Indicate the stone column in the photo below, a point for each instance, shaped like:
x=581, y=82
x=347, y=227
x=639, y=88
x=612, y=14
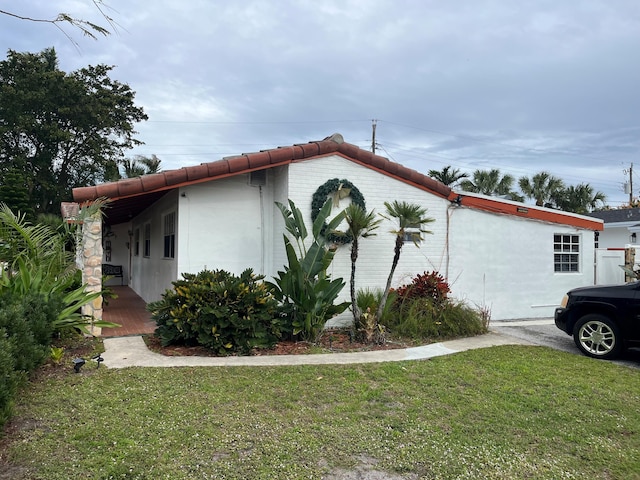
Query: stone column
x=90, y=263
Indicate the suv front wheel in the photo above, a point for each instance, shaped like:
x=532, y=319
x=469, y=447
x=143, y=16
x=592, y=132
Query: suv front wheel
x=597, y=336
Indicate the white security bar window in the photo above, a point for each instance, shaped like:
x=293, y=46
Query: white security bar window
x=566, y=253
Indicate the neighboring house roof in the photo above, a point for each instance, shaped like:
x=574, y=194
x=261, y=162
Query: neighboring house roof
x=622, y=215
x=131, y=196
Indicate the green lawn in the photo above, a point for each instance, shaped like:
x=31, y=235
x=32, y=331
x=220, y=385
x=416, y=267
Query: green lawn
x=498, y=413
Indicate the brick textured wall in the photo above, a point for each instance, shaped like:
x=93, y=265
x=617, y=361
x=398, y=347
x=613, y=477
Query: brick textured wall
x=376, y=253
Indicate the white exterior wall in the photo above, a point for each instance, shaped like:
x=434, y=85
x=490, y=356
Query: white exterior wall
x=151, y=276
x=615, y=236
x=501, y=262
x=506, y=263
x=226, y=224
x=376, y=253
x=280, y=180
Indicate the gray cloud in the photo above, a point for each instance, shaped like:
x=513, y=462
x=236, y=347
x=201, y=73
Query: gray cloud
x=519, y=86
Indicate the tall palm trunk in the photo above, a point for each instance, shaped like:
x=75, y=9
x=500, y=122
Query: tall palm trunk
x=394, y=264
x=352, y=286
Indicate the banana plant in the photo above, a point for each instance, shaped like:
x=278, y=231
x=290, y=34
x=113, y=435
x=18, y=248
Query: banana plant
x=304, y=287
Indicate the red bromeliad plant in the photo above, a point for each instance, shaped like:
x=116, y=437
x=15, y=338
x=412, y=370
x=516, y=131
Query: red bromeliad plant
x=427, y=285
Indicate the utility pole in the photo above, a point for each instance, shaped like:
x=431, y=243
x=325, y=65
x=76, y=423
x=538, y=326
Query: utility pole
x=373, y=135
x=631, y=185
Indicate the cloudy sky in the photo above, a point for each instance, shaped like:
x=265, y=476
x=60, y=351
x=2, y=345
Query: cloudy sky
x=522, y=86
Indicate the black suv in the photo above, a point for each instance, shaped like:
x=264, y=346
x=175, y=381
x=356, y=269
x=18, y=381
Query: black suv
x=603, y=320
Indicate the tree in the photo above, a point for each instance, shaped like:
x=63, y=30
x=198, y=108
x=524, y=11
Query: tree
x=448, y=175
x=407, y=216
x=13, y=192
x=361, y=225
x=88, y=29
x=541, y=187
x=492, y=183
x=580, y=199
x=66, y=130
x=140, y=165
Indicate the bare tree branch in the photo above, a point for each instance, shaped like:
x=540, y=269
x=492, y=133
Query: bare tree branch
x=89, y=29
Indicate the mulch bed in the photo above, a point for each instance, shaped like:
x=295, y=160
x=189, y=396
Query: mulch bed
x=329, y=342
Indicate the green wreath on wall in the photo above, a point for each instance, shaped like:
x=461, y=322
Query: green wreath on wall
x=337, y=189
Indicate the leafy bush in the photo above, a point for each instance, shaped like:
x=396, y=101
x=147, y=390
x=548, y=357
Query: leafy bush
x=26, y=321
x=369, y=328
x=427, y=285
x=423, y=311
x=25, y=335
x=218, y=310
x=9, y=376
x=425, y=319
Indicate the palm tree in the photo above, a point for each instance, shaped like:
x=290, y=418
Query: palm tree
x=448, y=175
x=407, y=215
x=492, y=183
x=361, y=225
x=580, y=199
x=140, y=165
x=541, y=187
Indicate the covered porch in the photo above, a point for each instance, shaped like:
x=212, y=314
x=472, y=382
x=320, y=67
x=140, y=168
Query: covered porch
x=128, y=310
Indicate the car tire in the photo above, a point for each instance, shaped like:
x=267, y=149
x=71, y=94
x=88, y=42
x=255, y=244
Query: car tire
x=597, y=336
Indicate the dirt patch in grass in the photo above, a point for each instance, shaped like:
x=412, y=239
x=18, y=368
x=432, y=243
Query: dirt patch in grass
x=331, y=341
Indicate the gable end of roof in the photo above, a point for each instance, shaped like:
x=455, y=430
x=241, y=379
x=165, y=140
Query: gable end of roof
x=248, y=162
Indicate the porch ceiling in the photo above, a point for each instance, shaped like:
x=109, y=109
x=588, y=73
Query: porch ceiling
x=121, y=210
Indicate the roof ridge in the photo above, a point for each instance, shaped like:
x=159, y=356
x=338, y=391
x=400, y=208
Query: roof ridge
x=247, y=162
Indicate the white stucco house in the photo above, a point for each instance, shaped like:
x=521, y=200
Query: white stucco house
x=517, y=260
x=621, y=227
x=618, y=244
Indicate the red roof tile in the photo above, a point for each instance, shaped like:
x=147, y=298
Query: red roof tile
x=130, y=196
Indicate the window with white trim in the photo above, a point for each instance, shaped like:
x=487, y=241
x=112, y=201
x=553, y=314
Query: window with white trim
x=147, y=240
x=566, y=253
x=412, y=234
x=136, y=242
x=169, y=233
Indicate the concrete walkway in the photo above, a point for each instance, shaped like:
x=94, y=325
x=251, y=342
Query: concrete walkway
x=122, y=352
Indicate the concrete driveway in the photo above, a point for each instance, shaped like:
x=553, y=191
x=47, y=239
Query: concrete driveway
x=544, y=332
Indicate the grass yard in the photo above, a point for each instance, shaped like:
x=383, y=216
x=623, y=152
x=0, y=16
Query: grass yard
x=499, y=413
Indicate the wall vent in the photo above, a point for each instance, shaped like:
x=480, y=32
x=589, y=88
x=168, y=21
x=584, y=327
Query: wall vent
x=258, y=178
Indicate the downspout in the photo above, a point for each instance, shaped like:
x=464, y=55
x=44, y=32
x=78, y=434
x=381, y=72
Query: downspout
x=457, y=202
x=262, y=237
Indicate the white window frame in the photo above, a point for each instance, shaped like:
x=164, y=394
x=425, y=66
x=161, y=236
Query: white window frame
x=169, y=235
x=412, y=235
x=136, y=242
x=146, y=241
x=567, y=250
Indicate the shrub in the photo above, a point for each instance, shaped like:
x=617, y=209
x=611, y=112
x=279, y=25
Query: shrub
x=423, y=311
x=9, y=376
x=425, y=319
x=427, y=285
x=26, y=321
x=369, y=328
x=218, y=310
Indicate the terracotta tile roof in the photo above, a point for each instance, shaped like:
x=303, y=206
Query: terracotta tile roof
x=517, y=209
x=131, y=196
